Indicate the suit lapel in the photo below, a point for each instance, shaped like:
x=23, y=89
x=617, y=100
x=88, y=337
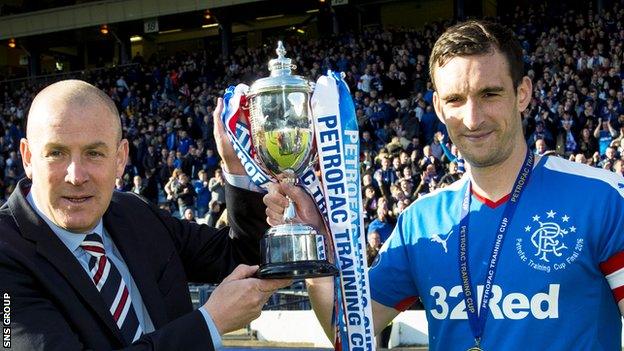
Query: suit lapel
x=54, y=251
x=126, y=236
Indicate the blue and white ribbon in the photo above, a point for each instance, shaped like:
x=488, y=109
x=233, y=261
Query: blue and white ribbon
x=337, y=141
x=235, y=117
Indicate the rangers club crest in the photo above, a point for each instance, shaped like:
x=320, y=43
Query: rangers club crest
x=549, y=242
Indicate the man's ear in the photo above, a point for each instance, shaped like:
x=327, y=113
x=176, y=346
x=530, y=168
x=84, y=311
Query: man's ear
x=524, y=92
x=122, y=157
x=26, y=157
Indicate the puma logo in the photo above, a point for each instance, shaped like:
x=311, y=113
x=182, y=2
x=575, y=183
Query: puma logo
x=442, y=239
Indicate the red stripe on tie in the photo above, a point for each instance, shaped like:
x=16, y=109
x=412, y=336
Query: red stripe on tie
x=122, y=303
x=100, y=271
x=618, y=293
x=94, y=249
x=613, y=264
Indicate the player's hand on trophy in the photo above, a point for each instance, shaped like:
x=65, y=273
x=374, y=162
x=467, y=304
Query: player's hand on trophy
x=231, y=162
x=276, y=202
x=239, y=298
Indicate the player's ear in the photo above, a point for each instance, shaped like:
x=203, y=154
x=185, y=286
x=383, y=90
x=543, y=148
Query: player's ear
x=523, y=93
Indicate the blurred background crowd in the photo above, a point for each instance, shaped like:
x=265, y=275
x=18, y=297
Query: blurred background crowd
x=166, y=103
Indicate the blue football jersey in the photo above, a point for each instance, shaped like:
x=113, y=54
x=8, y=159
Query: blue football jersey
x=549, y=291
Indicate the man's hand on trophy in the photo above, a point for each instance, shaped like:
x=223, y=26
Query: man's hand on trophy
x=276, y=202
x=239, y=298
x=231, y=162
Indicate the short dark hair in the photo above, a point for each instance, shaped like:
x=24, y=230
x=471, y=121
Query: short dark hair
x=478, y=37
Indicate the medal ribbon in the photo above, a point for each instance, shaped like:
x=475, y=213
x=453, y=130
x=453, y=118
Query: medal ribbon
x=477, y=321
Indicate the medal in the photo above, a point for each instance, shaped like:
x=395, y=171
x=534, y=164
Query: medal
x=477, y=346
x=477, y=312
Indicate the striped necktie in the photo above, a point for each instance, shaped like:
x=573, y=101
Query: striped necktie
x=112, y=288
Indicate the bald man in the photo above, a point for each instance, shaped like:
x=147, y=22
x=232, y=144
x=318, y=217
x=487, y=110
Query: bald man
x=84, y=267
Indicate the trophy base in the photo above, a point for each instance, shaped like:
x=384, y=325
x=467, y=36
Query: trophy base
x=296, y=270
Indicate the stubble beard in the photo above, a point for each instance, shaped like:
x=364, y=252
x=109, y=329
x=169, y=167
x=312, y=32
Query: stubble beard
x=497, y=152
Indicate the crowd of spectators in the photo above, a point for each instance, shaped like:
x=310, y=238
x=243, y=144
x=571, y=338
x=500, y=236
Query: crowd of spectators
x=573, y=56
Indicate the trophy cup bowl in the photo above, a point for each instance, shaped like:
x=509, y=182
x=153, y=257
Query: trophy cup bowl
x=283, y=138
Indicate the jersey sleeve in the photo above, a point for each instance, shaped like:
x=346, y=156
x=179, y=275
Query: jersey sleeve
x=613, y=269
x=391, y=279
x=612, y=255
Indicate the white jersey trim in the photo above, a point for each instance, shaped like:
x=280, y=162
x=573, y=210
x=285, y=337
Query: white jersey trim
x=616, y=279
x=455, y=186
x=559, y=164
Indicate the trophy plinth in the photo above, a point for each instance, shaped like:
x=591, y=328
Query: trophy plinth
x=282, y=132
x=294, y=250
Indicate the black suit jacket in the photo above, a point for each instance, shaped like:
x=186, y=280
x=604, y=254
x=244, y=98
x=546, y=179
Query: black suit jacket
x=55, y=305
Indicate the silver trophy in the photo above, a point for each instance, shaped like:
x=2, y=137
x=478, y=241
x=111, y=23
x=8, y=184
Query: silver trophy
x=283, y=138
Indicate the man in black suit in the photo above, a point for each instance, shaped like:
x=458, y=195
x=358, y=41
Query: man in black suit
x=89, y=269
